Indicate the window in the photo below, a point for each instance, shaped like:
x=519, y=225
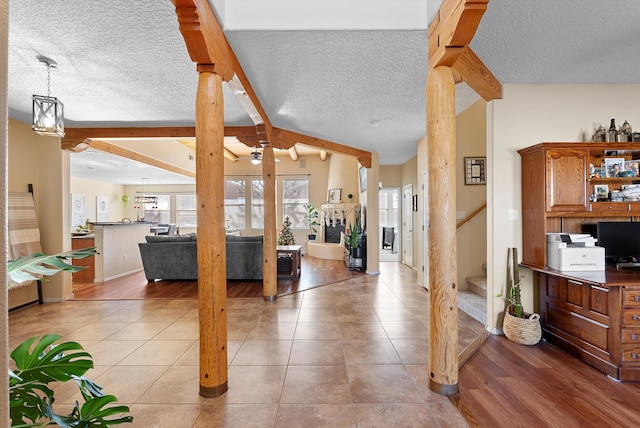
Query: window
x=159, y=213
x=186, y=214
x=388, y=208
x=257, y=204
x=295, y=194
x=234, y=203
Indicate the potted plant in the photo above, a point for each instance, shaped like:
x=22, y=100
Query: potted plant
x=354, y=233
x=40, y=362
x=518, y=325
x=311, y=218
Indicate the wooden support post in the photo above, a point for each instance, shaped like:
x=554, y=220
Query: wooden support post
x=270, y=262
x=443, y=309
x=212, y=268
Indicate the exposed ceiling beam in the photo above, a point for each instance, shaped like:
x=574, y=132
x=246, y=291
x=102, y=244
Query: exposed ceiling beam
x=191, y=143
x=293, y=154
x=203, y=36
x=453, y=28
x=475, y=74
x=207, y=44
x=130, y=154
x=288, y=139
x=450, y=33
x=74, y=136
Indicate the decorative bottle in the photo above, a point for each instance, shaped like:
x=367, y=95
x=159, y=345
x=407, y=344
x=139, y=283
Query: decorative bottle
x=612, y=133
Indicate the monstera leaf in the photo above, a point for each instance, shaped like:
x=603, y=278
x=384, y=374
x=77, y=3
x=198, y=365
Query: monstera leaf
x=40, y=362
x=26, y=268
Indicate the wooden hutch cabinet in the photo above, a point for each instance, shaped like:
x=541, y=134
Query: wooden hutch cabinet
x=592, y=315
x=557, y=185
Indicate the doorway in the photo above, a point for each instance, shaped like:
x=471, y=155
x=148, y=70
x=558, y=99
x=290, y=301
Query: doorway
x=407, y=224
x=389, y=219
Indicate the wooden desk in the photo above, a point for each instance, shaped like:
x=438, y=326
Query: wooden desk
x=593, y=315
x=294, y=251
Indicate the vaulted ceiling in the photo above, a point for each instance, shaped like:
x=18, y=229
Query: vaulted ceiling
x=352, y=72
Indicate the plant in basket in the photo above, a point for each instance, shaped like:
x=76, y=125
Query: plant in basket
x=519, y=326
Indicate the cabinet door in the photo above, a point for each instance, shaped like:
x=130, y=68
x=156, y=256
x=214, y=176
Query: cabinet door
x=566, y=180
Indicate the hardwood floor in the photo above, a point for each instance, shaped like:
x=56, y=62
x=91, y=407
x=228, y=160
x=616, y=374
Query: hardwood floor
x=509, y=385
x=314, y=273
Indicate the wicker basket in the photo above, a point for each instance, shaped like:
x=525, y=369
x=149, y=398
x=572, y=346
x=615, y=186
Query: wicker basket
x=525, y=331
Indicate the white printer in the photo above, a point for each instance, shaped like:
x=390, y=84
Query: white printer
x=574, y=252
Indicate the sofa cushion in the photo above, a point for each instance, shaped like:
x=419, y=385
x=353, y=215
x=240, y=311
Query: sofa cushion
x=233, y=238
x=165, y=238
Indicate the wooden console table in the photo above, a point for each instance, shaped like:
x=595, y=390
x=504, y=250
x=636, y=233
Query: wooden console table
x=293, y=251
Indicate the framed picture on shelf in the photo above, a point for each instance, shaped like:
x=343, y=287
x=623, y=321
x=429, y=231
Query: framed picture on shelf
x=633, y=166
x=613, y=167
x=601, y=191
x=474, y=170
x=334, y=196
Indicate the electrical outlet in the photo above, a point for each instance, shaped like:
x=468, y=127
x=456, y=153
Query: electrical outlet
x=512, y=214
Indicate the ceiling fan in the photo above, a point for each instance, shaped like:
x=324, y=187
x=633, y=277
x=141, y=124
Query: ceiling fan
x=256, y=157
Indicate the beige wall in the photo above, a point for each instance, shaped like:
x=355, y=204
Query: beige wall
x=471, y=141
x=343, y=175
x=92, y=188
x=391, y=175
x=38, y=160
x=527, y=115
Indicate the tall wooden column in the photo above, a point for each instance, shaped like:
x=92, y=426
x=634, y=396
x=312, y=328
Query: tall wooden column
x=270, y=268
x=212, y=268
x=443, y=311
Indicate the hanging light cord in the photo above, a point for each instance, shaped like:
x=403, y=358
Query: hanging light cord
x=48, y=80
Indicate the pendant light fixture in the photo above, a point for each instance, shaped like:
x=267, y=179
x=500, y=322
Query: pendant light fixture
x=145, y=198
x=48, y=112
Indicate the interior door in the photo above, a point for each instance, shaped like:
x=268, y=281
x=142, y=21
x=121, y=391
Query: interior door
x=425, y=231
x=407, y=225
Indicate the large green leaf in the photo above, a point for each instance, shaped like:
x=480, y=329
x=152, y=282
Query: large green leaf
x=38, y=362
x=94, y=413
x=44, y=365
x=26, y=268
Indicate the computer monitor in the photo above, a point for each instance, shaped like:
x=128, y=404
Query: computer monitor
x=621, y=241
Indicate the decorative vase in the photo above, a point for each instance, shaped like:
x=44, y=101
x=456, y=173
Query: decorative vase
x=525, y=331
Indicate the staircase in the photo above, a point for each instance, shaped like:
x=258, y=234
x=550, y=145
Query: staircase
x=473, y=300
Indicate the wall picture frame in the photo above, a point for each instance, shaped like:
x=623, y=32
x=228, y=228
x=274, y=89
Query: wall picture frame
x=102, y=208
x=334, y=196
x=77, y=211
x=475, y=170
x=362, y=175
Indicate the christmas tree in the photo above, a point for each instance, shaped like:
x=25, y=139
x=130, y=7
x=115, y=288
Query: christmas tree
x=286, y=235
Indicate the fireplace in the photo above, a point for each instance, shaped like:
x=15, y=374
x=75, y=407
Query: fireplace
x=332, y=231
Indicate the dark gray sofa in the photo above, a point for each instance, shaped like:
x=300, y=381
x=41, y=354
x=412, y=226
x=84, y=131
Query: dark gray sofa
x=176, y=257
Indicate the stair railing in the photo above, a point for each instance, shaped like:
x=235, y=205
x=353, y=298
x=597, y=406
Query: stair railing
x=470, y=216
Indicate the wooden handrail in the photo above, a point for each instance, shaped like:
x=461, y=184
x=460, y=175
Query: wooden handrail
x=472, y=215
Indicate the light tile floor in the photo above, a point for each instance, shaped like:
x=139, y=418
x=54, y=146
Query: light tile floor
x=349, y=354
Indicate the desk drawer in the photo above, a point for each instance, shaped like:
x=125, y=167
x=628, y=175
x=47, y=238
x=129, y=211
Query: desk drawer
x=631, y=317
x=631, y=335
x=610, y=206
x=631, y=298
x=631, y=354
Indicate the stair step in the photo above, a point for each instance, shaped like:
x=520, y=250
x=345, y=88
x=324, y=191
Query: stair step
x=477, y=285
x=473, y=305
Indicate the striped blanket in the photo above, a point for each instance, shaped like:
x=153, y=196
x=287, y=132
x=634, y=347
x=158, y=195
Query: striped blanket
x=24, y=235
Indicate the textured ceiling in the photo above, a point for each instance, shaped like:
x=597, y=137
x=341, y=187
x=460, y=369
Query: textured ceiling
x=124, y=63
